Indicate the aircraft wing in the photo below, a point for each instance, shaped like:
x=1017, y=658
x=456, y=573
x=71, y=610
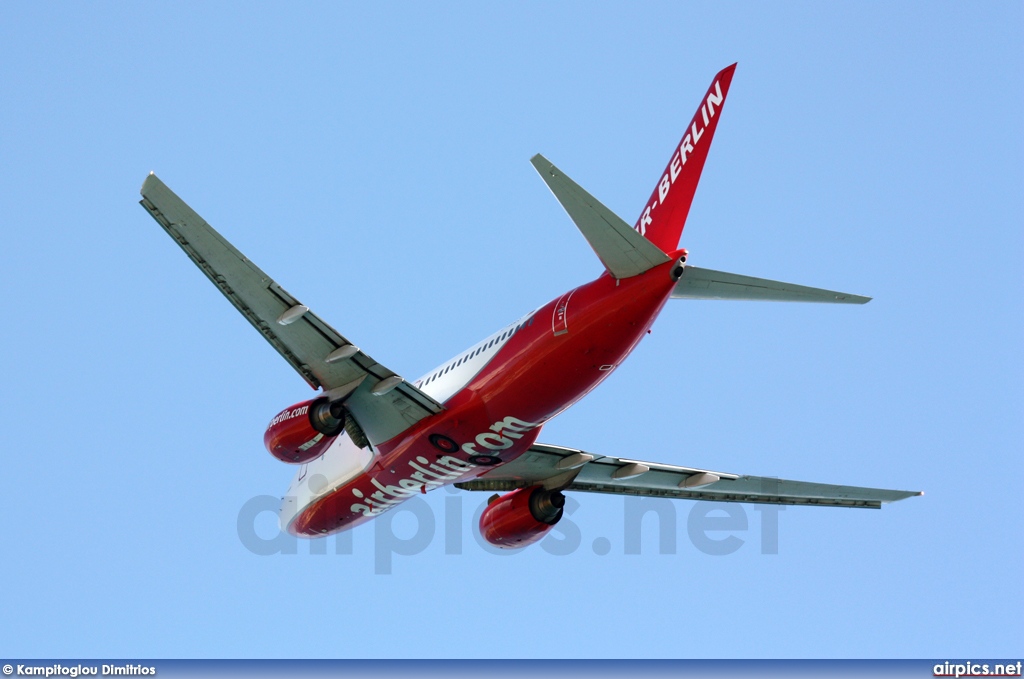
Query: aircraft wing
x=381, y=402
x=573, y=469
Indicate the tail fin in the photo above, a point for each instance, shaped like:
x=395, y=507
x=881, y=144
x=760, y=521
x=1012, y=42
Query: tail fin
x=662, y=220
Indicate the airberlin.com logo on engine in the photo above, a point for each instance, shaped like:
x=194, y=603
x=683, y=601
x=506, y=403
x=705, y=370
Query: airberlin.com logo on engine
x=288, y=414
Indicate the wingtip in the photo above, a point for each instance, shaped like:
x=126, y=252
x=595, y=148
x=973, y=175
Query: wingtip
x=544, y=167
x=150, y=178
x=846, y=298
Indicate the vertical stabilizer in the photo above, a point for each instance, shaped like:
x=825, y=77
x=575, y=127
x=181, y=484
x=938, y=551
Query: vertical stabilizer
x=662, y=219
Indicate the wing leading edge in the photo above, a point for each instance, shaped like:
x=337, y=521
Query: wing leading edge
x=381, y=402
x=573, y=469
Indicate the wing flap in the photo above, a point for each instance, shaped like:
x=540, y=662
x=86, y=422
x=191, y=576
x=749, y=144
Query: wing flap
x=618, y=476
x=302, y=338
x=696, y=283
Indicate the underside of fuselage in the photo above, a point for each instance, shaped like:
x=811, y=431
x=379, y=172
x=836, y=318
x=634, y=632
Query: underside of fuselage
x=548, y=361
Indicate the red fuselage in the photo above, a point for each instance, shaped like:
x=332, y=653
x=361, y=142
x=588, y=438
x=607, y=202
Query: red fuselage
x=565, y=349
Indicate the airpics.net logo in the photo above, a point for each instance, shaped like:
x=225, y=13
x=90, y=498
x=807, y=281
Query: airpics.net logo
x=977, y=669
x=712, y=528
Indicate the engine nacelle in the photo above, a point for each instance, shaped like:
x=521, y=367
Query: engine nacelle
x=302, y=432
x=522, y=517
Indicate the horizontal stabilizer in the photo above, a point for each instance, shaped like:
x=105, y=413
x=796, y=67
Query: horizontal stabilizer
x=698, y=283
x=623, y=251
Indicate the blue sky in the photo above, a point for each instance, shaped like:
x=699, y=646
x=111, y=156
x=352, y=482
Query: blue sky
x=374, y=160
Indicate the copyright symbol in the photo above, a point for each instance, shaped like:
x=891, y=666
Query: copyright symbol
x=8, y=669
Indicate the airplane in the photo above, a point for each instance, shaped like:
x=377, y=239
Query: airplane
x=370, y=439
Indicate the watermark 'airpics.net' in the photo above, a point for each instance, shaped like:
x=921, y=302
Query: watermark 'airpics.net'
x=976, y=669
x=712, y=528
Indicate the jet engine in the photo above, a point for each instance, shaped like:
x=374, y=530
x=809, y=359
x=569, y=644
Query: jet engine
x=302, y=432
x=522, y=517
